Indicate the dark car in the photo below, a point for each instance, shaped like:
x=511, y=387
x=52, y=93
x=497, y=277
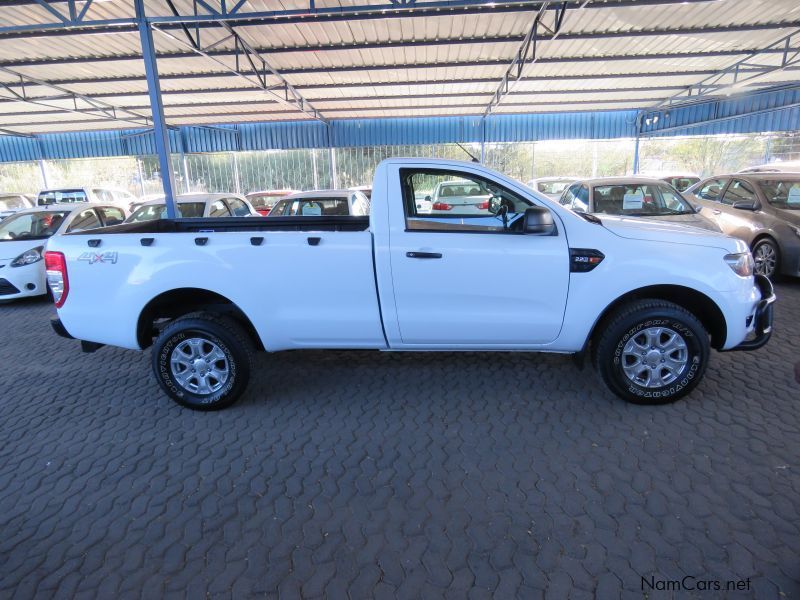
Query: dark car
x=634, y=197
x=763, y=209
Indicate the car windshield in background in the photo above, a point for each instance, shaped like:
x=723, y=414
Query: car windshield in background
x=36, y=225
x=682, y=183
x=57, y=196
x=153, y=212
x=552, y=187
x=13, y=203
x=639, y=200
x=781, y=193
x=311, y=207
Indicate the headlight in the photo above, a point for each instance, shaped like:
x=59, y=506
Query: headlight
x=742, y=264
x=28, y=258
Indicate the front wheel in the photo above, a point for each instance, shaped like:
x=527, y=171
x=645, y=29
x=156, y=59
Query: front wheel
x=203, y=361
x=766, y=256
x=652, y=352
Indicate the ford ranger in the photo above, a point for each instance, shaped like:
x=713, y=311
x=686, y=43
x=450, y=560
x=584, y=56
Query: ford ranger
x=645, y=300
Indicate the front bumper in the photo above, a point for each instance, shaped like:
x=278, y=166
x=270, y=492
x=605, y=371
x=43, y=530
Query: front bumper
x=763, y=317
x=22, y=282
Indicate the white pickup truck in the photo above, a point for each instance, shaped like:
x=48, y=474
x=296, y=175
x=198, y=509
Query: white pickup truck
x=646, y=300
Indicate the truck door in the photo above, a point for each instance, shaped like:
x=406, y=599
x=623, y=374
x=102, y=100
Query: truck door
x=460, y=278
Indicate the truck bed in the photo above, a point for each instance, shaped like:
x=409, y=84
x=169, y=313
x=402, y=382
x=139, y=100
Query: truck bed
x=236, y=224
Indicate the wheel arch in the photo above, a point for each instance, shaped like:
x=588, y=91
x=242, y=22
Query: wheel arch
x=181, y=301
x=697, y=303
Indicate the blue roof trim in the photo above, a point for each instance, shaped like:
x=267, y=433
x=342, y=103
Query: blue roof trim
x=770, y=110
x=283, y=136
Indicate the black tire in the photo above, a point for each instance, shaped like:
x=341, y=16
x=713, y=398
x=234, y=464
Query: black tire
x=767, y=257
x=630, y=326
x=236, y=359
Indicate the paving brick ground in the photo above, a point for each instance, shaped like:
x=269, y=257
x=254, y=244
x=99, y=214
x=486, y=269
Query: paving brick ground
x=352, y=474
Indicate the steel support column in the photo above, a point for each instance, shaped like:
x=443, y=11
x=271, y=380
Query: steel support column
x=160, y=131
x=636, y=146
x=43, y=170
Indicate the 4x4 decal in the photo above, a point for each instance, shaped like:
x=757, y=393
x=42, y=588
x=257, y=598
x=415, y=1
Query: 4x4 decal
x=99, y=257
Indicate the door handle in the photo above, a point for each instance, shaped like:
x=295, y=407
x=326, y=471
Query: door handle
x=423, y=255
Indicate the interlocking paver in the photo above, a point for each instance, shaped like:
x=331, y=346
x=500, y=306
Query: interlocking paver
x=356, y=474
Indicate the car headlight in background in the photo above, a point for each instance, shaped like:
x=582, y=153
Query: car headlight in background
x=742, y=263
x=28, y=258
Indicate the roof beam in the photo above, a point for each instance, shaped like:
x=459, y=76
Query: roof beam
x=81, y=103
x=416, y=66
x=389, y=44
x=526, y=54
x=741, y=73
x=259, y=73
x=236, y=16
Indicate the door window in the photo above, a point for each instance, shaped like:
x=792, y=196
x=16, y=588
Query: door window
x=738, y=191
x=218, y=209
x=238, y=208
x=438, y=200
x=112, y=216
x=87, y=219
x=711, y=190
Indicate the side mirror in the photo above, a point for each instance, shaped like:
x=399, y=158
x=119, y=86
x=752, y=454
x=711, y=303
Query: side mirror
x=494, y=205
x=538, y=221
x=427, y=198
x=745, y=205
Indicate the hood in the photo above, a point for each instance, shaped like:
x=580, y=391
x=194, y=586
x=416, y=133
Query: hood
x=637, y=228
x=9, y=250
x=692, y=220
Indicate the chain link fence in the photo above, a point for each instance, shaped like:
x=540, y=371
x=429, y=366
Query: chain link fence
x=246, y=172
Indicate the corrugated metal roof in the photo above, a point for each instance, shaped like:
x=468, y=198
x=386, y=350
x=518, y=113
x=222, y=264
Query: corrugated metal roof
x=608, y=58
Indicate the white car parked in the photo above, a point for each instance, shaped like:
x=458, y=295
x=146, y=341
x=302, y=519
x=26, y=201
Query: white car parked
x=319, y=203
x=459, y=196
x=191, y=206
x=24, y=235
x=13, y=203
x=121, y=198
x=552, y=187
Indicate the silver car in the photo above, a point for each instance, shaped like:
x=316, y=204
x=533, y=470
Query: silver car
x=763, y=209
x=634, y=197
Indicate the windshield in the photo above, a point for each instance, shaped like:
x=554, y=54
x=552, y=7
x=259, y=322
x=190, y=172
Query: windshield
x=782, y=193
x=13, y=203
x=35, y=225
x=639, y=200
x=552, y=187
x=152, y=212
x=55, y=196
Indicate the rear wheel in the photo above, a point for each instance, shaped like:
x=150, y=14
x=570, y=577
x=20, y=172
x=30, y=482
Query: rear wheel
x=203, y=361
x=767, y=257
x=652, y=352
